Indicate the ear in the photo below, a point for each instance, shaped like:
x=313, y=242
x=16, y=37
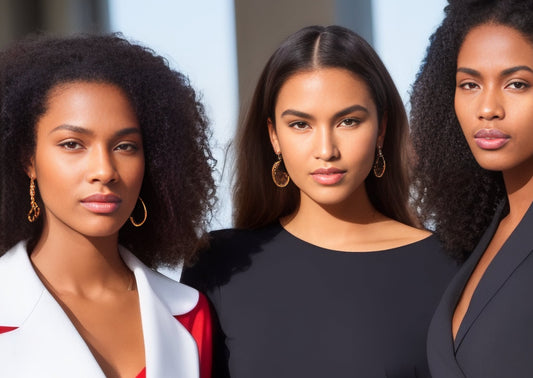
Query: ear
x=273, y=137
x=382, y=130
x=30, y=168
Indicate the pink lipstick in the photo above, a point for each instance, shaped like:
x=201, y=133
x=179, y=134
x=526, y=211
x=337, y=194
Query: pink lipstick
x=101, y=203
x=491, y=139
x=328, y=176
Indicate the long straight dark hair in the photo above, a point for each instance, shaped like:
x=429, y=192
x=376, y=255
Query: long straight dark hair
x=257, y=201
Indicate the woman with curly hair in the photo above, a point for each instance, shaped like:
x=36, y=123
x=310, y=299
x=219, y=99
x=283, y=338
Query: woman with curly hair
x=105, y=175
x=327, y=273
x=472, y=117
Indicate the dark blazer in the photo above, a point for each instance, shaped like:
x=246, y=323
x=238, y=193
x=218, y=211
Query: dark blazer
x=495, y=338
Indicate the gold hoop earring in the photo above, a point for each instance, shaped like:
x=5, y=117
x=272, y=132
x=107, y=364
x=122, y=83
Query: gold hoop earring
x=34, y=212
x=145, y=215
x=379, y=164
x=280, y=176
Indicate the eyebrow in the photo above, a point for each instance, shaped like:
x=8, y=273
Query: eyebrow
x=508, y=71
x=82, y=130
x=339, y=114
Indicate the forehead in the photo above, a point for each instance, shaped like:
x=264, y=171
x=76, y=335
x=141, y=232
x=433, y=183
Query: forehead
x=324, y=86
x=91, y=105
x=493, y=44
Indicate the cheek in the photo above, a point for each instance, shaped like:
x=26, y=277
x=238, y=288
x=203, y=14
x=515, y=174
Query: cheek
x=133, y=173
x=293, y=161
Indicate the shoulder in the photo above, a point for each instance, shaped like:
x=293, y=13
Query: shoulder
x=229, y=251
x=405, y=233
x=179, y=298
x=20, y=288
x=233, y=237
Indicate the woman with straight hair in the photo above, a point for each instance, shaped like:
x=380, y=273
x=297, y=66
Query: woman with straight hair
x=327, y=273
x=105, y=175
x=472, y=119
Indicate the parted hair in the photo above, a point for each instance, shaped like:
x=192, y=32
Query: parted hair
x=454, y=194
x=177, y=187
x=257, y=201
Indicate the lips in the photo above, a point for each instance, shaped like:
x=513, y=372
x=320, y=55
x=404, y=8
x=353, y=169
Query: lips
x=491, y=139
x=101, y=203
x=328, y=176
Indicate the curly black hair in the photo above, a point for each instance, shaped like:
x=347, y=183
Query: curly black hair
x=454, y=195
x=178, y=187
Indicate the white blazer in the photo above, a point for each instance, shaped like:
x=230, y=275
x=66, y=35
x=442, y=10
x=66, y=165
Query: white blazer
x=46, y=343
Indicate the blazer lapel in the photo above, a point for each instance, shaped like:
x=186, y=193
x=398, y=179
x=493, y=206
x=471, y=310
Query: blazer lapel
x=515, y=250
x=170, y=349
x=441, y=355
x=45, y=344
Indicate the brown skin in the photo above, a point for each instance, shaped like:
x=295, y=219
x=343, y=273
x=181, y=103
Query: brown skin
x=494, y=91
x=89, y=142
x=326, y=118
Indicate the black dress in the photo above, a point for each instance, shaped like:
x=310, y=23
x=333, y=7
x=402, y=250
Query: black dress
x=287, y=308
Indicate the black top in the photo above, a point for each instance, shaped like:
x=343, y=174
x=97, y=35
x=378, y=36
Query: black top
x=287, y=308
x=495, y=338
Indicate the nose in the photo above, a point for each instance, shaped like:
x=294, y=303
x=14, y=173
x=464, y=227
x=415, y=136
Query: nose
x=490, y=106
x=101, y=167
x=325, y=144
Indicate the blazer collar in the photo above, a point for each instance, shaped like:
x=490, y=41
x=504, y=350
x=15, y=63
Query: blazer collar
x=47, y=344
x=170, y=349
x=513, y=252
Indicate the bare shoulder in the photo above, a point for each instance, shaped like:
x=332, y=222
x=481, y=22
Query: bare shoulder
x=400, y=234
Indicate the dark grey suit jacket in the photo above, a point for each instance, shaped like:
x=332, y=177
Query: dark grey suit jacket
x=495, y=338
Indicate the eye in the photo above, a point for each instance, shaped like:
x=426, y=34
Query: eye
x=70, y=145
x=127, y=147
x=299, y=125
x=518, y=85
x=468, y=86
x=350, y=122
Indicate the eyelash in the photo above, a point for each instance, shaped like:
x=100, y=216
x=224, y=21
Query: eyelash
x=298, y=125
x=469, y=86
x=355, y=122
x=70, y=145
x=520, y=83
x=130, y=147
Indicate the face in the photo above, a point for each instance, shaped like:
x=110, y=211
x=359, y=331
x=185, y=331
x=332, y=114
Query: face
x=89, y=161
x=494, y=97
x=326, y=128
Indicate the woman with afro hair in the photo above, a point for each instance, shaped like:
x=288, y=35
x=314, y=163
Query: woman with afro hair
x=472, y=125
x=105, y=175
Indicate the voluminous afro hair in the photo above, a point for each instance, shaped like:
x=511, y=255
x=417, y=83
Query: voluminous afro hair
x=454, y=194
x=178, y=187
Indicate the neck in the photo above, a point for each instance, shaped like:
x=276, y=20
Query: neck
x=519, y=187
x=73, y=263
x=342, y=226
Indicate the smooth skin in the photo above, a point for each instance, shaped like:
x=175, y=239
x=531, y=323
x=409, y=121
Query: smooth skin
x=89, y=143
x=326, y=128
x=494, y=92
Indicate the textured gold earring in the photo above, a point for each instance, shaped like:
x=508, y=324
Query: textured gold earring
x=34, y=212
x=280, y=176
x=379, y=164
x=145, y=215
